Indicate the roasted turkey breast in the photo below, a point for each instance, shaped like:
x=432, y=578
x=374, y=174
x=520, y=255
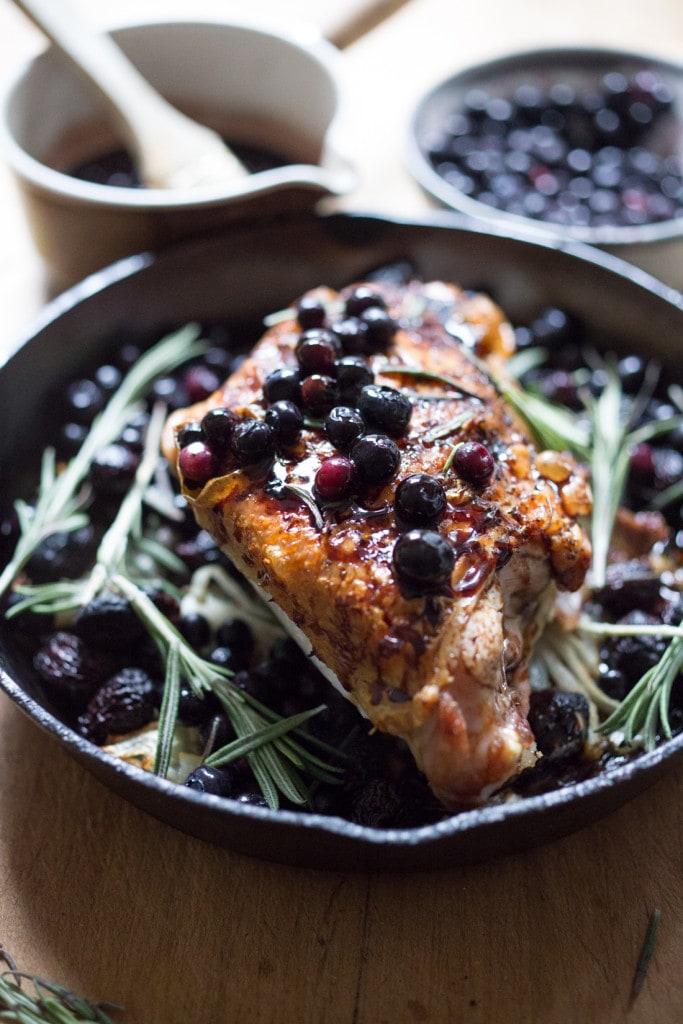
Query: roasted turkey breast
x=425, y=613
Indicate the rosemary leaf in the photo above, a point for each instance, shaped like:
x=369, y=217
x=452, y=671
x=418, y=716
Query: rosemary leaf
x=646, y=952
x=168, y=713
x=308, y=501
x=266, y=734
x=390, y=369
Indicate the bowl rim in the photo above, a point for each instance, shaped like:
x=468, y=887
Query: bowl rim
x=533, y=59
x=336, y=174
x=403, y=847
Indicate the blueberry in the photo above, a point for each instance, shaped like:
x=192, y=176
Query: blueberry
x=376, y=458
x=352, y=334
x=108, y=378
x=252, y=441
x=318, y=394
x=108, y=621
x=334, y=478
x=189, y=433
x=352, y=373
x=199, y=382
x=195, y=628
x=559, y=722
x=343, y=426
x=420, y=500
x=113, y=469
x=316, y=352
x=310, y=312
x=473, y=462
x=423, y=561
x=207, y=779
x=286, y=420
x=361, y=298
x=84, y=400
x=197, y=463
x=68, y=668
x=237, y=635
x=380, y=327
x=385, y=408
x=282, y=385
x=218, y=425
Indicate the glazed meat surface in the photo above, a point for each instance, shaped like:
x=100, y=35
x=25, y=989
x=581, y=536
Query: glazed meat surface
x=445, y=667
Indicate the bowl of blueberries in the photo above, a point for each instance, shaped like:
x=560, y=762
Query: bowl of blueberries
x=577, y=143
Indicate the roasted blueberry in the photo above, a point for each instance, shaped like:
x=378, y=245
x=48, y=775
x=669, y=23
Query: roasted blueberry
x=559, y=722
x=252, y=441
x=237, y=635
x=197, y=463
x=195, y=628
x=343, y=427
x=68, y=668
x=318, y=394
x=474, y=463
x=124, y=703
x=361, y=298
x=376, y=458
x=188, y=433
x=218, y=425
x=423, y=561
x=352, y=373
x=283, y=385
x=84, y=400
x=108, y=621
x=420, y=500
x=385, y=408
x=112, y=470
x=207, y=779
x=381, y=327
x=200, y=381
x=316, y=352
x=286, y=420
x=352, y=334
x=310, y=312
x=334, y=478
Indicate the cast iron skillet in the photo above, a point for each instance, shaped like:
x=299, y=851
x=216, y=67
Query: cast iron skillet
x=242, y=276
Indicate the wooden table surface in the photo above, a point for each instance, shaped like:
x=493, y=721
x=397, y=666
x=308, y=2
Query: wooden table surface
x=100, y=897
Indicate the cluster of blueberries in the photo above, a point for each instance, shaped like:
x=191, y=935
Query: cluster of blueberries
x=332, y=388
x=577, y=157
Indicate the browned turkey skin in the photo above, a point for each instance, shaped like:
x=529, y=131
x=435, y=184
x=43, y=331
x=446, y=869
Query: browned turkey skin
x=447, y=672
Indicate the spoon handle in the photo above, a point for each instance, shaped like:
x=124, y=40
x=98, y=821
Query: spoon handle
x=161, y=137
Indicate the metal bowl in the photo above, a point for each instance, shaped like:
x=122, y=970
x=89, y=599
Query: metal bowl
x=240, y=278
x=656, y=247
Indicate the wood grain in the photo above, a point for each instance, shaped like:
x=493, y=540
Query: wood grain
x=95, y=894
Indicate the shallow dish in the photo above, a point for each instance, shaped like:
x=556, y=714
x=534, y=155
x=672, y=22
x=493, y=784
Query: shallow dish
x=657, y=247
x=240, y=279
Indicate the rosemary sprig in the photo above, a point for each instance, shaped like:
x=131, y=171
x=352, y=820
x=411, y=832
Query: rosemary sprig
x=48, y=1003
x=111, y=557
x=614, y=438
x=646, y=708
x=274, y=761
x=62, y=499
x=553, y=426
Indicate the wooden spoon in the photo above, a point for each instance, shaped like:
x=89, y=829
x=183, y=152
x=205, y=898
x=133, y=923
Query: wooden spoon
x=170, y=150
